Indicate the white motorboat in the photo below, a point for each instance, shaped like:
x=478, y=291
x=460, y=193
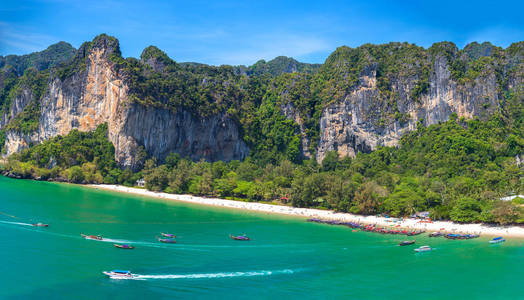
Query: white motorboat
x=497, y=240
x=119, y=274
x=423, y=249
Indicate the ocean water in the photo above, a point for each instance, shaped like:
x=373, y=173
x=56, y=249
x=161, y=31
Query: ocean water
x=287, y=256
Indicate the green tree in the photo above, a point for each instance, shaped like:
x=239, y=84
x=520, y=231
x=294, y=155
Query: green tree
x=330, y=161
x=505, y=212
x=75, y=174
x=466, y=210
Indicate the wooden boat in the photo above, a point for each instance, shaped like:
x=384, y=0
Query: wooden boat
x=124, y=246
x=239, y=237
x=167, y=240
x=40, y=224
x=497, y=240
x=168, y=235
x=456, y=236
x=416, y=232
x=91, y=237
x=435, y=234
x=405, y=243
x=423, y=249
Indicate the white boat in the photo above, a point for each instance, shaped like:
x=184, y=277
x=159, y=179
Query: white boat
x=497, y=240
x=118, y=274
x=423, y=249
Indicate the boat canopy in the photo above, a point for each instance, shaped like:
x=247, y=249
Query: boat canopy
x=121, y=271
x=497, y=238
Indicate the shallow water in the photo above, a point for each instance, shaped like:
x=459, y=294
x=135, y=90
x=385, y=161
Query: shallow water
x=286, y=256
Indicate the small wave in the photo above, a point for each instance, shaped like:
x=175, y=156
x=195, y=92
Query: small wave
x=17, y=223
x=108, y=240
x=213, y=275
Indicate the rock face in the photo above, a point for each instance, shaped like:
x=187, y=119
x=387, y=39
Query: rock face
x=360, y=121
x=98, y=94
x=161, y=132
x=19, y=102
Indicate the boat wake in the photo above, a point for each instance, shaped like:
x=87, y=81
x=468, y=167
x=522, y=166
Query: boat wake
x=16, y=223
x=114, y=241
x=213, y=275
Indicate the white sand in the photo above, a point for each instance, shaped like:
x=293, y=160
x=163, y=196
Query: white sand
x=442, y=226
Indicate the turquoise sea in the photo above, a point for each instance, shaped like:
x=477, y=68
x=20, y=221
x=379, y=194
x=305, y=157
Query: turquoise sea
x=287, y=257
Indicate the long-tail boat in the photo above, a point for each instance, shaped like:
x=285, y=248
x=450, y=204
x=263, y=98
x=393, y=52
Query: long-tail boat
x=91, y=237
x=239, y=237
x=124, y=246
x=405, y=243
x=167, y=240
x=168, y=235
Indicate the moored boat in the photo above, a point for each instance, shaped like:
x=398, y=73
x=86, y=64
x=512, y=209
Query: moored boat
x=405, y=243
x=168, y=235
x=435, y=234
x=415, y=232
x=91, y=237
x=455, y=236
x=423, y=249
x=124, y=246
x=119, y=274
x=167, y=240
x=239, y=237
x=497, y=240
x=40, y=224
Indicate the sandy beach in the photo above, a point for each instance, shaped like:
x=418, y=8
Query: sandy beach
x=442, y=226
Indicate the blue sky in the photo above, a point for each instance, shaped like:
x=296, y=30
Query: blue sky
x=242, y=32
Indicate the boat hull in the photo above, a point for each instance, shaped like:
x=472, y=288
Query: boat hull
x=124, y=246
x=239, y=238
x=497, y=241
x=168, y=235
x=114, y=275
x=91, y=237
x=406, y=243
x=167, y=241
x=423, y=249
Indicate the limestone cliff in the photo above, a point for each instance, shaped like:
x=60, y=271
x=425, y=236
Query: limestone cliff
x=358, y=100
x=97, y=93
x=364, y=119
